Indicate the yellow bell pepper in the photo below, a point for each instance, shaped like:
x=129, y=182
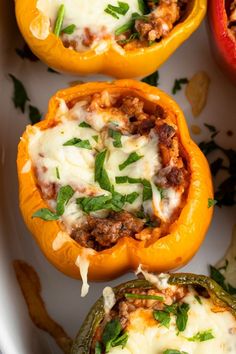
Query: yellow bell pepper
x=173, y=250
x=133, y=63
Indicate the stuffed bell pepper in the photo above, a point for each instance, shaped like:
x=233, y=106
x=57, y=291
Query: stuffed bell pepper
x=222, y=21
x=170, y=314
x=111, y=179
x=124, y=39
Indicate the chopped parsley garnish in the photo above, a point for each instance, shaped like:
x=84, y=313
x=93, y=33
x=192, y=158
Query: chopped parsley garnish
x=112, y=335
x=20, y=96
x=144, y=297
x=114, y=11
x=57, y=173
x=124, y=28
x=95, y=138
x=198, y=299
x=163, y=317
x=45, y=214
x=212, y=129
x=147, y=187
x=77, y=142
x=64, y=195
x=202, y=336
x=26, y=53
x=147, y=190
x=178, y=84
x=152, y=79
x=143, y=8
x=84, y=125
x=182, y=316
x=101, y=175
x=181, y=313
x=116, y=135
x=98, y=348
x=114, y=202
x=133, y=157
x=69, y=29
x=129, y=39
x=34, y=114
x=225, y=193
x=211, y=202
x=59, y=20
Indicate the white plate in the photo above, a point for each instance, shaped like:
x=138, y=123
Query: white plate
x=61, y=294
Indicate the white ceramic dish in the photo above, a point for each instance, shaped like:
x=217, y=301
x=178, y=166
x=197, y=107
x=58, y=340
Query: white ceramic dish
x=62, y=295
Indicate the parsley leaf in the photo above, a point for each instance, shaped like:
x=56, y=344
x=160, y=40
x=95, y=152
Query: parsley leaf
x=130, y=198
x=34, y=114
x=147, y=190
x=57, y=173
x=142, y=7
x=133, y=157
x=64, y=195
x=124, y=28
x=77, y=142
x=152, y=79
x=178, y=85
x=163, y=317
x=111, y=334
x=69, y=29
x=84, y=125
x=101, y=175
x=20, y=96
x=116, y=135
x=89, y=204
x=26, y=53
x=211, y=202
x=202, y=336
x=121, y=9
x=59, y=20
x=45, y=214
x=182, y=316
x=98, y=348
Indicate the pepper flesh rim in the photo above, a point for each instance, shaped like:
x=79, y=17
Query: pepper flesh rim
x=169, y=252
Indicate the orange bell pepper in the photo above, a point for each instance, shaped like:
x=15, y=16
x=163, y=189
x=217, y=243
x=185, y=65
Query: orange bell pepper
x=133, y=63
x=169, y=252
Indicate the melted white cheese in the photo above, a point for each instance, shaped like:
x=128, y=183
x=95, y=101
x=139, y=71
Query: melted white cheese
x=82, y=262
x=109, y=299
x=69, y=165
x=146, y=336
x=87, y=14
x=160, y=280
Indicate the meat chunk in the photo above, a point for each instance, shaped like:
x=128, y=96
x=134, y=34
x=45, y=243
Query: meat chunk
x=175, y=177
x=100, y=233
x=166, y=133
x=160, y=22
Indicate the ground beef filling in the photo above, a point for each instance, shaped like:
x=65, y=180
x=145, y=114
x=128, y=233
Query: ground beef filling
x=99, y=233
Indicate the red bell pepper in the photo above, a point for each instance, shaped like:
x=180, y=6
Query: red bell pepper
x=223, y=41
